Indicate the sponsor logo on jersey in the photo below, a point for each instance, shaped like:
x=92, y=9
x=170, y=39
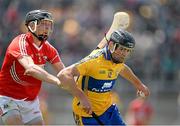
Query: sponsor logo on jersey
x=105, y=88
x=107, y=85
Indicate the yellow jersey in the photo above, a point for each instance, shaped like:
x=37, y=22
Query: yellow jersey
x=97, y=78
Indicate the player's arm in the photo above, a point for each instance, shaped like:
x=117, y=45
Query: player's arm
x=128, y=74
x=37, y=72
x=55, y=60
x=66, y=77
x=102, y=43
x=58, y=66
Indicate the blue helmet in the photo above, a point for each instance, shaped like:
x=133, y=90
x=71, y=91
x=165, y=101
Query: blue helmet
x=37, y=15
x=123, y=38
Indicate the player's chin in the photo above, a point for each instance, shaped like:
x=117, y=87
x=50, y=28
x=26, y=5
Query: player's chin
x=121, y=60
x=45, y=37
x=118, y=61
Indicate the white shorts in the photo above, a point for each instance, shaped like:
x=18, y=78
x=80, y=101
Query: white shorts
x=29, y=110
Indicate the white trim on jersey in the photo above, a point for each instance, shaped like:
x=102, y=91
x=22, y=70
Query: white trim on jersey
x=14, y=75
x=22, y=44
x=38, y=48
x=53, y=59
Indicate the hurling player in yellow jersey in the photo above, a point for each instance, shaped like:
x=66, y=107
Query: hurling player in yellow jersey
x=97, y=74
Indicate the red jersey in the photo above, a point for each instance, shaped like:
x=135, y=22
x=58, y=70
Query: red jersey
x=13, y=82
x=142, y=112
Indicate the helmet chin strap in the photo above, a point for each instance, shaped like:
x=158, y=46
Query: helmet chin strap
x=39, y=37
x=114, y=48
x=35, y=26
x=114, y=60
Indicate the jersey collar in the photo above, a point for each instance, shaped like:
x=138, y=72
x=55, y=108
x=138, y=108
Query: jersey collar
x=107, y=53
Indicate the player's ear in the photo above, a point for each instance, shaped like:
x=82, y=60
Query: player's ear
x=31, y=24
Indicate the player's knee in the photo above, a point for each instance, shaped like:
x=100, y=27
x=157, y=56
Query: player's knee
x=12, y=117
x=35, y=121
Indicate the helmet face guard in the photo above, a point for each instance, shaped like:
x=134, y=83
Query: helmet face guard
x=40, y=24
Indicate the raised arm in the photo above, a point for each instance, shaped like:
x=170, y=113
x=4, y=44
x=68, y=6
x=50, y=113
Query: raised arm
x=128, y=74
x=37, y=72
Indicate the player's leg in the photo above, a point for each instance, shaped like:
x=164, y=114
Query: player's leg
x=9, y=111
x=31, y=113
x=12, y=117
x=114, y=116
x=35, y=121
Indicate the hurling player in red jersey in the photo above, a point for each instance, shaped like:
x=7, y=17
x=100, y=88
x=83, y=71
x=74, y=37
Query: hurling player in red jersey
x=139, y=112
x=22, y=71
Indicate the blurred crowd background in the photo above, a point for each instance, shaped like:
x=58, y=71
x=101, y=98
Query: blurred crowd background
x=79, y=25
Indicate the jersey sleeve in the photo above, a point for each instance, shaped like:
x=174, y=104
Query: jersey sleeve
x=121, y=66
x=82, y=67
x=18, y=48
x=53, y=55
x=85, y=65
